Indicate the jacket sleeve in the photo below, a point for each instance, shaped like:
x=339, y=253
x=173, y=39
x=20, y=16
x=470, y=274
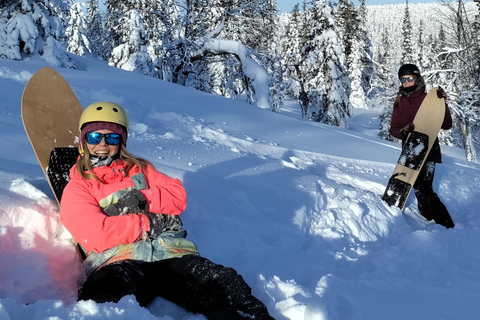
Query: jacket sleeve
x=95, y=231
x=164, y=194
x=447, y=121
x=395, y=124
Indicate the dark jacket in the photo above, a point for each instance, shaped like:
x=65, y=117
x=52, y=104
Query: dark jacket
x=404, y=110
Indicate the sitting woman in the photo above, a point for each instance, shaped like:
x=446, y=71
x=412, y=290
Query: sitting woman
x=125, y=216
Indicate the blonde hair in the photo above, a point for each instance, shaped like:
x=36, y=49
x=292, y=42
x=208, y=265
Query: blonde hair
x=85, y=169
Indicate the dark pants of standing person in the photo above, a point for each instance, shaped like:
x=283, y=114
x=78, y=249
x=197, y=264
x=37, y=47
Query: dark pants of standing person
x=192, y=282
x=429, y=203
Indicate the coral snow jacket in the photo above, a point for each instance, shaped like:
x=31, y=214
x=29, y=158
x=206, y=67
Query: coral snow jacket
x=83, y=200
x=404, y=111
x=107, y=239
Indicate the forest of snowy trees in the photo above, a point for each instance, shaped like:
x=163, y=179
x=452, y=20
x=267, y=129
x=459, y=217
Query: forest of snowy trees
x=332, y=56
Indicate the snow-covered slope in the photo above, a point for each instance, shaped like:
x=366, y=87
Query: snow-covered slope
x=294, y=206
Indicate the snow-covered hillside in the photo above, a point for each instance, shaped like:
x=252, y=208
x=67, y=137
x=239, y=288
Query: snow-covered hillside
x=295, y=206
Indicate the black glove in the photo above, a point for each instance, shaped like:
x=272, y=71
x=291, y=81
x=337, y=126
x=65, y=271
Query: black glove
x=160, y=223
x=441, y=94
x=408, y=129
x=131, y=202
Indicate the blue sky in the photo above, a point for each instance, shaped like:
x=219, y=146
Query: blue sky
x=287, y=5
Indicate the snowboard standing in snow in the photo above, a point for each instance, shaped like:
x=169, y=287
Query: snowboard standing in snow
x=50, y=115
x=428, y=122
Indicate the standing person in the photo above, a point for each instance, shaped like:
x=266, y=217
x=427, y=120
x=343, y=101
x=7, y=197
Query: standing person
x=125, y=216
x=410, y=97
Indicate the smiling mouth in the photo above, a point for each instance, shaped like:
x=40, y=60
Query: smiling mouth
x=102, y=153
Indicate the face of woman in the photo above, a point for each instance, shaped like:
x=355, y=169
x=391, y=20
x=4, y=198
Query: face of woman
x=103, y=149
x=405, y=80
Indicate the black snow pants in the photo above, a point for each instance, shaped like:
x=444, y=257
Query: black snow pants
x=192, y=282
x=429, y=203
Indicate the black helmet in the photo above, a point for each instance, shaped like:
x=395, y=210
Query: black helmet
x=408, y=69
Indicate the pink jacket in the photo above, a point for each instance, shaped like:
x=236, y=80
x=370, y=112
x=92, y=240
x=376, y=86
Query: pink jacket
x=83, y=200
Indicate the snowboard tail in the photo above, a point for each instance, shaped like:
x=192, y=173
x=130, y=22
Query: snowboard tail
x=397, y=192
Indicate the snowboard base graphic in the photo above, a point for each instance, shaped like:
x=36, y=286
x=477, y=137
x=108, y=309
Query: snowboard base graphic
x=428, y=122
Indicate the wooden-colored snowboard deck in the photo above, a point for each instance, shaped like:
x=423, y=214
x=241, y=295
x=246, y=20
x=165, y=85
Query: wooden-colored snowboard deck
x=50, y=114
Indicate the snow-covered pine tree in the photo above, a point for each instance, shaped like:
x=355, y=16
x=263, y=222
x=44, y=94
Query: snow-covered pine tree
x=29, y=28
x=205, y=46
x=163, y=22
x=291, y=55
x=132, y=53
x=272, y=57
x=420, y=48
x=95, y=30
x=464, y=83
x=129, y=36
x=277, y=86
x=367, y=64
x=352, y=34
x=297, y=60
x=385, y=86
x=209, y=73
x=328, y=84
x=76, y=31
x=407, y=41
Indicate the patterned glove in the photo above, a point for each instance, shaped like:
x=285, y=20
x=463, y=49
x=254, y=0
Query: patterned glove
x=131, y=202
x=160, y=223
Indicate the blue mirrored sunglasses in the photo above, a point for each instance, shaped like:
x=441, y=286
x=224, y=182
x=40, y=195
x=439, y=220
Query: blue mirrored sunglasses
x=112, y=139
x=409, y=79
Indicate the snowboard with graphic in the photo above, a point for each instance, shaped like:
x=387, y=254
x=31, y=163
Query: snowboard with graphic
x=428, y=122
x=50, y=115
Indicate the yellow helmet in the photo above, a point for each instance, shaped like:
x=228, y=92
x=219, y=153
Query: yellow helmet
x=104, y=111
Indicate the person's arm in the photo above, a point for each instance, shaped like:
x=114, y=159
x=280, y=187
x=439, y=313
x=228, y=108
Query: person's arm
x=164, y=194
x=94, y=230
x=396, y=126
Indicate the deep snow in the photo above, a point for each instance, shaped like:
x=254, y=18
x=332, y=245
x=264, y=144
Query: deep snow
x=295, y=206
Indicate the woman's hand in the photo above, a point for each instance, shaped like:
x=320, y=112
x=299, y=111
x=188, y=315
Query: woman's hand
x=441, y=94
x=408, y=129
x=162, y=222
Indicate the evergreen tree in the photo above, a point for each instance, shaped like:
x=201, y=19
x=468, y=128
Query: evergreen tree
x=407, y=43
x=328, y=85
x=163, y=30
x=347, y=22
x=367, y=64
x=95, y=30
x=76, y=31
x=306, y=46
x=273, y=59
x=129, y=34
x=215, y=33
x=291, y=51
x=34, y=28
x=425, y=56
x=132, y=53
